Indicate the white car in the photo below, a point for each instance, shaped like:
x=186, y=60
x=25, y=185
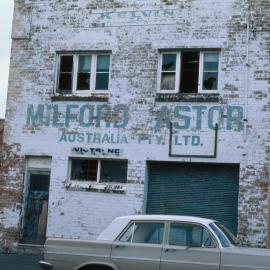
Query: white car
x=156, y=242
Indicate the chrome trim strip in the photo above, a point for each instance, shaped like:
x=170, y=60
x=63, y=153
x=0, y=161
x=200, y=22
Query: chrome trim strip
x=232, y=266
x=190, y=263
x=45, y=265
x=79, y=254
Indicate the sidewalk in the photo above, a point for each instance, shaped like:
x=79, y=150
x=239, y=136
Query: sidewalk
x=19, y=262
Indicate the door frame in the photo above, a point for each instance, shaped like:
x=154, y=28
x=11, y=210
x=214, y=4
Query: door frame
x=28, y=172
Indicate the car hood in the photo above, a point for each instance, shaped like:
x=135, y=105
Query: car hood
x=258, y=258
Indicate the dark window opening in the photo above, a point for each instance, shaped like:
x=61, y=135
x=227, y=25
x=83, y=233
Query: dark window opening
x=113, y=171
x=83, y=73
x=189, y=72
x=83, y=81
x=99, y=170
x=65, y=74
x=39, y=182
x=84, y=169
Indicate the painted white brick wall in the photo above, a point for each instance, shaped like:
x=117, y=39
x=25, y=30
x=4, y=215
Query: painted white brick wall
x=134, y=37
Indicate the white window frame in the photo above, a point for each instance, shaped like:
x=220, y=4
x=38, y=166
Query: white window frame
x=200, y=84
x=98, y=169
x=92, y=89
x=178, y=73
x=98, y=177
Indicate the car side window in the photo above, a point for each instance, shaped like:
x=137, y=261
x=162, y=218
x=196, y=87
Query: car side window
x=190, y=235
x=144, y=232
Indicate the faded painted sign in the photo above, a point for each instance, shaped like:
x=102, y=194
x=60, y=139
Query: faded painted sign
x=183, y=117
x=139, y=15
x=194, y=143
x=93, y=138
x=132, y=17
x=96, y=151
x=198, y=116
x=85, y=115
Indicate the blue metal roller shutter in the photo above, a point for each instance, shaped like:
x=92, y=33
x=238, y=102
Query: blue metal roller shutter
x=204, y=190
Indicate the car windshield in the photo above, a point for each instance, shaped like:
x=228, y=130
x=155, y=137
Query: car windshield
x=227, y=239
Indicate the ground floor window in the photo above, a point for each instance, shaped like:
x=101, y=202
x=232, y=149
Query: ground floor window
x=98, y=170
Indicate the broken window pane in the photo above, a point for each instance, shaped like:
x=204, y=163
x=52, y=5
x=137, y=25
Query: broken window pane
x=210, y=71
x=167, y=81
x=84, y=169
x=189, y=71
x=168, y=62
x=65, y=76
x=114, y=171
x=210, y=80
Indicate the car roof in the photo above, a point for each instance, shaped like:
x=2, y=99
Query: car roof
x=204, y=221
x=119, y=223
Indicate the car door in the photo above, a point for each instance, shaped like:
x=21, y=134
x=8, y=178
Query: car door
x=139, y=247
x=190, y=247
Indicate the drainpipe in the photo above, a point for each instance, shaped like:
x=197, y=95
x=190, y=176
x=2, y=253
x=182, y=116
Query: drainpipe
x=246, y=79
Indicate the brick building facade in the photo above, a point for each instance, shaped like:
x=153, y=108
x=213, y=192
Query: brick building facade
x=124, y=107
x=2, y=121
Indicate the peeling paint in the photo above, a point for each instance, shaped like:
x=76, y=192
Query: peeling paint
x=43, y=28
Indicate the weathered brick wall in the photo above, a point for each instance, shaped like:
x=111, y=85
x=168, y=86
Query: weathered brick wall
x=2, y=122
x=43, y=27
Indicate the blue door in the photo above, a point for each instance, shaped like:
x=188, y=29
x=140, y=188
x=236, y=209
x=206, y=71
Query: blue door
x=195, y=189
x=36, y=208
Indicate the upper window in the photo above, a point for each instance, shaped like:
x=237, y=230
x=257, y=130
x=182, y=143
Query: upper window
x=188, y=72
x=190, y=235
x=83, y=74
x=99, y=170
x=144, y=232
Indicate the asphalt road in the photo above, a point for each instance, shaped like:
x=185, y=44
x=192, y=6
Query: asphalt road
x=19, y=262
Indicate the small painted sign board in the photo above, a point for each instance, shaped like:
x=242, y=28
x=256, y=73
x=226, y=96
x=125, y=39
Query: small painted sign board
x=96, y=152
x=196, y=143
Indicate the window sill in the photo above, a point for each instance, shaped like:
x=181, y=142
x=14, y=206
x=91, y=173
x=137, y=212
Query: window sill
x=95, y=98
x=212, y=97
x=89, y=186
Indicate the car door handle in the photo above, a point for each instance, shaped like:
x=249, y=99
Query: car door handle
x=170, y=249
x=120, y=246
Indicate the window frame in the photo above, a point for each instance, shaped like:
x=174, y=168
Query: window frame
x=99, y=165
x=177, y=89
x=132, y=223
x=74, y=90
x=201, y=71
x=177, y=73
x=194, y=224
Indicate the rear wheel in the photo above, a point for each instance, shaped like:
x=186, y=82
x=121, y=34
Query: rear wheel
x=96, y=267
